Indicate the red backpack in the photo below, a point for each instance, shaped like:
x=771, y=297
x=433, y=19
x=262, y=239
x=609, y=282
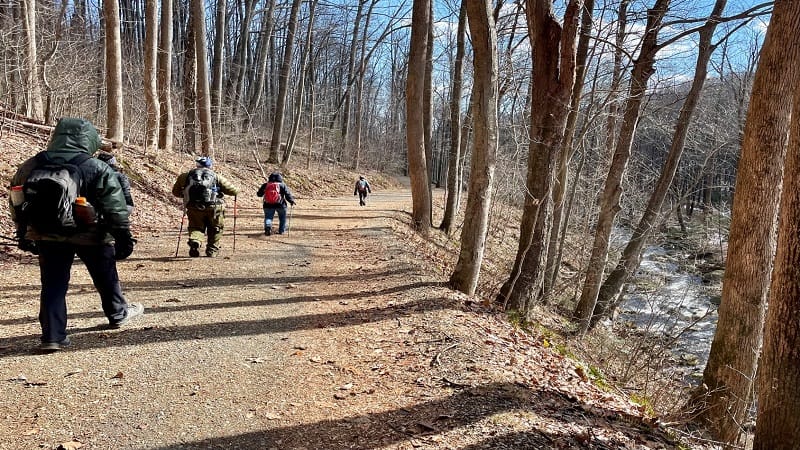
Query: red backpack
x=272, y=194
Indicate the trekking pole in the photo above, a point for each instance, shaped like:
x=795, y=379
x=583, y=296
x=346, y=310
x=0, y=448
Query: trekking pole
x=9, y=238
x=178, y=245
x=235, y=213
x=289, y=222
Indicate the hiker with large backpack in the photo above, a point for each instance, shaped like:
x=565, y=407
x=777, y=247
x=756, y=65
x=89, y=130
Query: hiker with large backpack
x=276, y=195
x=64, y=202
x=203, y=192
x=362, y=189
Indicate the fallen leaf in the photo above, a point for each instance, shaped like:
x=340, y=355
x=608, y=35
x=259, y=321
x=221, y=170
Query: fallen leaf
x=73, y=372
x=119, y=375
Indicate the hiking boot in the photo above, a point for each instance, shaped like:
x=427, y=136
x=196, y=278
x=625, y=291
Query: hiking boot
x=50, y=347
x=194, y=249
x=211, y=254
x=268, y=231
x=134, y=310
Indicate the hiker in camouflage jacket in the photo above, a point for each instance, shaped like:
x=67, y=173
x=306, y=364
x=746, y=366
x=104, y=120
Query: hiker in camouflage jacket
x=204, y=216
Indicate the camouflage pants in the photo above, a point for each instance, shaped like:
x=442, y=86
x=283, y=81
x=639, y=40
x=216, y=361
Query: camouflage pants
x=209, y=220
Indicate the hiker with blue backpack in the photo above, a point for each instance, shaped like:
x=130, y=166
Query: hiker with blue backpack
x=362, y=189
x=64, y=202
x=276, y=195
x=203, y=192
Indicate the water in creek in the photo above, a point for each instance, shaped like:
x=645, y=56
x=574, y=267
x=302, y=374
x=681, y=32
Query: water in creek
x=675, y=304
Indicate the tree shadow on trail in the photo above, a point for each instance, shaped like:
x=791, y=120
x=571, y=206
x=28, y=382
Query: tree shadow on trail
x=84, y=339
x=464, y=409
x=182, y=283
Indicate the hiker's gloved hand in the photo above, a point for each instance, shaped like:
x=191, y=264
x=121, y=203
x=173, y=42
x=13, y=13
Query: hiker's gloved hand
x=123, y=243
x=27, y=245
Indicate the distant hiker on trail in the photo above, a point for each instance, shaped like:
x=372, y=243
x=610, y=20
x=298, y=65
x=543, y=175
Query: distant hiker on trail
x=109, y=159
x=275, y=194
x=64, y=202
x=362, y=189
x=203, y=193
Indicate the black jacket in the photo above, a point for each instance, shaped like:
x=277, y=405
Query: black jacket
x=286, y=194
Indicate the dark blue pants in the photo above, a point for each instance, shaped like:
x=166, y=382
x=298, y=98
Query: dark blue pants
x=55, y=263
x=269, y=214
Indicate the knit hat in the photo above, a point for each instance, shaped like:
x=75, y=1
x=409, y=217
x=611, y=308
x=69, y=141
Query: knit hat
x=204, y=161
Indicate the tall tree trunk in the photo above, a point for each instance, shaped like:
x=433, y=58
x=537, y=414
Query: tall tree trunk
x=454, y=156
x=609, y=295
x=113, y=47
x=283, y=87
x=359, y=106
x=567, y=150
x=427, y=111
x=351, y=64
x=612, y=191
x=257, y=91
x=239, y=64
x=189, y=89
x=300, y=94
x=732, y=363
x=778, y=424
x=203, y=91
x=554, y=58
x=34, y=103
x=484, y=149
x=415, y=127
x=166, y=120
x=217, y=64
x=150, y=78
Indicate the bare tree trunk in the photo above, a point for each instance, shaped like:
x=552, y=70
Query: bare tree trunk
x=609, y=295
x=350, y=68
x=150, y=79
x=283, y=87
x=42, y=68
x=166, y=120
x=427, y=114
x=732, y=363
x=484, y=150
x=554, y=58
x=239, y=63
x=34, y=103
x=567, y=150
x=189, y=90
x=203, y=94
x=415, y=128
x=217, y=65
x=453, y=181
x=257, y=91
x=359, y=107
x=778, y=424
x=612, y=191
x=113, y=47
x=300, y=94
